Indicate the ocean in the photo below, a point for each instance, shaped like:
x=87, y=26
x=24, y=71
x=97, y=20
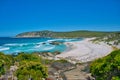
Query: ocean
x=10, y=45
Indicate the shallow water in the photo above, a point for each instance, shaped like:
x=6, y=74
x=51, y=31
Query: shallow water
x=15, y=45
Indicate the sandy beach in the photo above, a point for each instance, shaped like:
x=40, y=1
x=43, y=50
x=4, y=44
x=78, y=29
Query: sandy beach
x=85, y=50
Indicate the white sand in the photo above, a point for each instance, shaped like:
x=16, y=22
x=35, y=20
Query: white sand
x=85, y=50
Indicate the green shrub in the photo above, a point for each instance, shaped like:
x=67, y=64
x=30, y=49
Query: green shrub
x=107, y=67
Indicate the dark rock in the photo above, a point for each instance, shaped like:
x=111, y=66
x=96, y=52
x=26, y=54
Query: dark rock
x=55, y=43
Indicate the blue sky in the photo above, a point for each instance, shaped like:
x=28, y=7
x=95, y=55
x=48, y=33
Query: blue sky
x=18, y=16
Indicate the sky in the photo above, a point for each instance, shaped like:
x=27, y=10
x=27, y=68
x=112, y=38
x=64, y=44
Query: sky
x=18, y=16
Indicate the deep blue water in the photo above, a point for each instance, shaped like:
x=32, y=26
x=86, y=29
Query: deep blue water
x=14, y=45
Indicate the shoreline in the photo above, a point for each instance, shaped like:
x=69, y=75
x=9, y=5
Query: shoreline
x=84, y=51
x=70, y=46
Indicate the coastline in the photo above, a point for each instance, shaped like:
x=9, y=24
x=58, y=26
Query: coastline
x=84, y=51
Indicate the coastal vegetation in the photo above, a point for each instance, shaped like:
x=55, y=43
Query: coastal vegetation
x=31, y=70
x=29, y=66
x=110, y=39
x=5, y=62
x=107, y=68
x=71, y=34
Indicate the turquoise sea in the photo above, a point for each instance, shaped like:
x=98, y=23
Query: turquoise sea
x=15, y=45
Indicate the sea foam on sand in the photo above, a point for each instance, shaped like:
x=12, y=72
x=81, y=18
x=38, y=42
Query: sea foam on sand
x=85, y=50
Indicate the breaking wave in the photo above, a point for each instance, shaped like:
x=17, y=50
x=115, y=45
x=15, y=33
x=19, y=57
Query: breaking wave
x=4, y=48
x=16, y=44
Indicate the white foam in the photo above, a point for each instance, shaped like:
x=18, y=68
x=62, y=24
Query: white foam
x=50, y=40
x=40, y=43
x=54, y=40
x=4, y=48
x=68, y=40
x=10, y=44
x=16, y=44
x=37, y=46
x=17, y=51
x=48, y=48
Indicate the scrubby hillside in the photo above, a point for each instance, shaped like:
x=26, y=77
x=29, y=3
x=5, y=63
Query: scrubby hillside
x=71, y=34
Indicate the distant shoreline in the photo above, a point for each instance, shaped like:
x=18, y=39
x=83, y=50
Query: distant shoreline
x=67, y=34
